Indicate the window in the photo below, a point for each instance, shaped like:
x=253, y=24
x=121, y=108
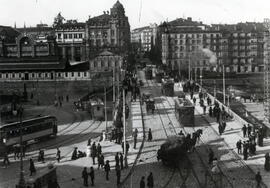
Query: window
x=13, y=75
x=70, y=36
x=79, y=74
x=84, y=74
x=65, y=36
x=33, y=75
x=6, y=75
x=66, y=74
x=80, y=35
x=112, y=32
x=39, y=75
x=72, y=74
x=75, y=36
x=59, y=36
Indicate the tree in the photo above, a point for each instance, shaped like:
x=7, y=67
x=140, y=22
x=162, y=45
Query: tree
x=58, y=20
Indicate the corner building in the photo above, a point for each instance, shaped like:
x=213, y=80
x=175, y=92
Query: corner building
x=110, y=31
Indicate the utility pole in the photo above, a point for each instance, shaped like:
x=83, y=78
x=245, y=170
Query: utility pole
x=105, y=108
x=224, y=91
x=21, y=183
x=124, y=126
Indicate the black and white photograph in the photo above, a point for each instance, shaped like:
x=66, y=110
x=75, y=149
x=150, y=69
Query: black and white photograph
x=134, y=93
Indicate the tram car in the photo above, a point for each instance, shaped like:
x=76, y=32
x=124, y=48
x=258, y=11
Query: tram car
x=32, y=129
x=167, y=87
x=172, y=151
x=184, y=111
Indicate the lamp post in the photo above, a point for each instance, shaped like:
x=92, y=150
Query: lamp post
x=224, y=91
x=21, y=183
x=105, y=108
x=201, y=77
x=124, y=126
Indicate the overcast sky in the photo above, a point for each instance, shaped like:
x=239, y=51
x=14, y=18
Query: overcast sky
x=33, y=12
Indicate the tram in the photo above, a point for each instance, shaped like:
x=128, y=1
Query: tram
x=184, y=111
x=32, y=129
x=167, y=87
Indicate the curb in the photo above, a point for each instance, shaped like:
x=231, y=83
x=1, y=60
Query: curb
x=139, y=152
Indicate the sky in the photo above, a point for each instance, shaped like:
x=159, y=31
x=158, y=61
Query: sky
x=139, y=12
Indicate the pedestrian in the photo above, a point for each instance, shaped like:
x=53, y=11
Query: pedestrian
x=89, y=142
x=249, y=128
x=266, y=162
x=127, y=147
x=150, y=137
x=191, y=95
x=93, y=152
x=245, y=150
x=6, y=160
x=92, y=175
x=223, y=126
x=204, y=109
x=194, y=100
x=210, y=111
x=244, y=129
x=210, y=156
x=58, y=155
x=135, y=135
x=258, y=179
x=85, y=177
x=239, y=147
x=99, y=149
x=150, y=180
x=118, y=174
x=74, y=155
x=121, y=158
x=220, y=128
x=32, y=167
x=116, y=159
x=142, y=183
x=107, y=169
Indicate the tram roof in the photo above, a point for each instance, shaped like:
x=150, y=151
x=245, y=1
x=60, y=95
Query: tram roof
x=28, y=120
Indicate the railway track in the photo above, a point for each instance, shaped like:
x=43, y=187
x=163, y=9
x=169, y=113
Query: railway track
x=231, y=178
x=170, y=130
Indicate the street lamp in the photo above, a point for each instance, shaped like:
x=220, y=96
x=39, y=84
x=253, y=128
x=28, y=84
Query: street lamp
x=224, y=91
x=21, y=183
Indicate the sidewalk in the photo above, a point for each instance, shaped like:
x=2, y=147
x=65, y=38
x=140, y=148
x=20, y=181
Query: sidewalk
x=70, y=173
x=231, y=135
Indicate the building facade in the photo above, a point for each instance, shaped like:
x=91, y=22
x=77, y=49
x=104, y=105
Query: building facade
x=187, y=45
x=28, y=50
x=145, y=36
x=70, y=38
x=108, y=31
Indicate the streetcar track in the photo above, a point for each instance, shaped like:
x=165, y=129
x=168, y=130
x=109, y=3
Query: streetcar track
x=174, y=132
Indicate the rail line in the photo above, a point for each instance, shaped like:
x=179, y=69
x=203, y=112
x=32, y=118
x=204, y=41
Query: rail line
x=173, y=131
x=225, y=170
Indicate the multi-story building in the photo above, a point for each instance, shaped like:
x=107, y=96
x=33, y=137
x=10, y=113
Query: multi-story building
x=145, y=37
x=192, y=45
x=108, y=31
x=30, y=49
x=189, y=45
x=70, y=37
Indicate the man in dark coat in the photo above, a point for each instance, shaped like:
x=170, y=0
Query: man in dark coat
x=150, y=137
x=118, y=174
x=32, y=167
x=116, y=159
x=239, y=147
x=244, y=129
x=99, y=149
x=74, y=154
x=266, y=162
x=135, y=135
x=210, y=156
x=142, y=183
x=245, y=150
x=92, y=175
x=85, y=177
x=107, y=169
x=150, y=180
x=258, y=179
x=121, y=161
x=93, y=152
x=249, y=128
x=210, y=111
